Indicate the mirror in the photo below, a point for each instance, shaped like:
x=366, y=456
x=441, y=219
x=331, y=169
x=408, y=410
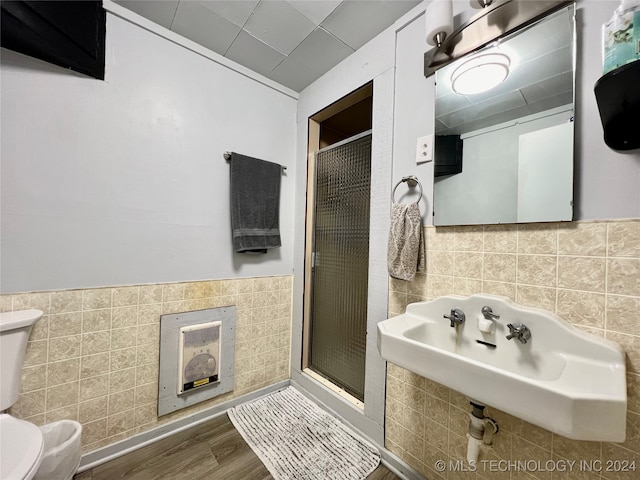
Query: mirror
x=506, y=155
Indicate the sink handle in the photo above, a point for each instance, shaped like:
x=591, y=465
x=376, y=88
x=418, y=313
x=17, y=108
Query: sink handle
x=519, y=331
x=487, y=312
x=456, y=317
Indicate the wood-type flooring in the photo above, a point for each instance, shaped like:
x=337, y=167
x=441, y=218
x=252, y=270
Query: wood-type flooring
x=213, y=450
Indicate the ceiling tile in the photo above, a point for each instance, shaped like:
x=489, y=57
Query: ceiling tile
x=317, y=54
x=550, y=35
x=253, y=54
x=279, y=25
x=321, y=51
x=315, y=10
x=293, y=74
x=496, y=105
x=536, y=71
x=236, y=12
x=160, y=11
x=548, y=88
x=555, y=101
x=201, y=25
x=505, y=102
x=451, y=103
x=355, y=23
x=440, y=127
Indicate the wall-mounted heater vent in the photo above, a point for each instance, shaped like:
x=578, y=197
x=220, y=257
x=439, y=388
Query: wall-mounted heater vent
x=199, y=356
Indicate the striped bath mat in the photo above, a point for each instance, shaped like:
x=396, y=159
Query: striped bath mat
x=296, y=440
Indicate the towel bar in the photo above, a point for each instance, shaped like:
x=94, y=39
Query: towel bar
x=227, y=157
x=411, y=181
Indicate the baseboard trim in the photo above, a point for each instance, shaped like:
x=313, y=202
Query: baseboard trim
x=398, y=466
x=128, y=445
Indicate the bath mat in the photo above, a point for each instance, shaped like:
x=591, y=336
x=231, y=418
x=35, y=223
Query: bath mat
x=296, y=440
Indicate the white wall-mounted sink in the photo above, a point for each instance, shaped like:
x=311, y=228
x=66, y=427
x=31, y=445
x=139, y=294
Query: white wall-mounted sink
x=562, y=379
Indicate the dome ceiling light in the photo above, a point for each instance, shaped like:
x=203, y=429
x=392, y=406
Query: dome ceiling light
x=480, y=73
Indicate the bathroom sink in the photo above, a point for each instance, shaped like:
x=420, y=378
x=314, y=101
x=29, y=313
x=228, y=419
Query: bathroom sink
x=561, y=378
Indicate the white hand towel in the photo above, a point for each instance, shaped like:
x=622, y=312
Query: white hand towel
x=405, y=253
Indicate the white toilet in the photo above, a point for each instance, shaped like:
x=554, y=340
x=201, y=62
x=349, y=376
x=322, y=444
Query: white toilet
x=21, y=443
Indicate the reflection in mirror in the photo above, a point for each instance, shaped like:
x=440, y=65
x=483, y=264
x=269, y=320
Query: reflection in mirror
x=505, y=155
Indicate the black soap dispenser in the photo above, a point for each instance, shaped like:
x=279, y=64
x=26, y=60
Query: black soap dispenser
x=618, y=97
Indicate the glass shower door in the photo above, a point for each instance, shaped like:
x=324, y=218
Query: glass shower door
x=341, y=263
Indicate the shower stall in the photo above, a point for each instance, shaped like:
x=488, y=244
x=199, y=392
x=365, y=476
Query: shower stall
x=340, y=263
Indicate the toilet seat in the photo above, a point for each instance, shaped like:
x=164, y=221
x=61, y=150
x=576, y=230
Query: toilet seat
x=21, y=448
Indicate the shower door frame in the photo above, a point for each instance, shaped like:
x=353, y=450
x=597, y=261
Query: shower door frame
x=370, y=418
x=309, y=270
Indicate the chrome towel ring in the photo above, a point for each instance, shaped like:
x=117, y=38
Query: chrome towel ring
x=411, y=181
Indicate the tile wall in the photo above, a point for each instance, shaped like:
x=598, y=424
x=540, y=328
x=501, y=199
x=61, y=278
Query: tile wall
x=586, y=272
x=93, y=357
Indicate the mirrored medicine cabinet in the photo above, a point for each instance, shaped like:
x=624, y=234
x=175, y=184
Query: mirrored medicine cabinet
x=506, y=155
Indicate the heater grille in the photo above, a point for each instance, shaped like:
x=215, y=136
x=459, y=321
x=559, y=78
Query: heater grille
x=199, y=356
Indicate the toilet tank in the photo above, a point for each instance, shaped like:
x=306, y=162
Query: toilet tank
x=15, y=328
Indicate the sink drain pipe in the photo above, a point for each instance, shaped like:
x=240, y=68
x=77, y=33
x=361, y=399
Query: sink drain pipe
x=481, y=431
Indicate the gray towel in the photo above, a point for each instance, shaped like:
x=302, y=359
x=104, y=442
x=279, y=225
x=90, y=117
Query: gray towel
x=405, y=252
x=255, y=204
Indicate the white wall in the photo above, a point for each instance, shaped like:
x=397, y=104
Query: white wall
x=544, y=180
x=606, y=182
x=122, y=181
x=414, y=114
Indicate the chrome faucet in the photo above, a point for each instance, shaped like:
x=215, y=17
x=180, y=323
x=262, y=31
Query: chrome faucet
x=456, y=317
x=487, y=324
x=487, y=312
x=519, y=331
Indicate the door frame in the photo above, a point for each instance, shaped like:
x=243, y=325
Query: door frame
x=370, y=419
x=313, y=148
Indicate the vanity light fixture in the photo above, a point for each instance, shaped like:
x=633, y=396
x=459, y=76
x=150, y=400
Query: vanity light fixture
x=439, y=21
x=497, y=19
x=480, y=73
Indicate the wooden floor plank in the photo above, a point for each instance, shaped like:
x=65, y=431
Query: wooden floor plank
x=242, y=464
x=185, y=460
x=195, y=435
x=382, y=473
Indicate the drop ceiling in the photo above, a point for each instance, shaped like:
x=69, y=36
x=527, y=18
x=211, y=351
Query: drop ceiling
x=291, y=42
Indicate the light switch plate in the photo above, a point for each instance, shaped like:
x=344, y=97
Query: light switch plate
x=424, y=149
